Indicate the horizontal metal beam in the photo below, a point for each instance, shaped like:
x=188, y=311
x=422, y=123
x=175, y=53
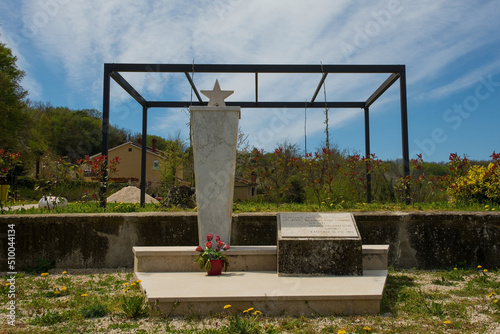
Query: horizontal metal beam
x=319, y=87
x=253, y=68
x=246, y=104
x=128, y=88
x=383, y=87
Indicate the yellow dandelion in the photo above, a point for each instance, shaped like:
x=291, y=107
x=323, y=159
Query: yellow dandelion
x=57, y=292
x=132, y=284
x=492, y=209
x=447, y=322
x=364, y=203
x=7, y=284
x=366, y=328
x=485, y=270
x=341, y=331
x=125, y=284
x=67, y=300
x=44, y=274
x=64, y=272
x=138, y=281
x=226, y=307
x=84, y=295
x=495, y=301
x=455, y=269
x=63, y=288
x=126, y=290
x=479, y=267
x=257, y=313
x=491, y=294
x=486, y=206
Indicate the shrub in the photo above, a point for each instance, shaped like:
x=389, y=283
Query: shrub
x=294, y=192
x=48, y=318
x=134, y=306
x=480, y=184
x=94, y=310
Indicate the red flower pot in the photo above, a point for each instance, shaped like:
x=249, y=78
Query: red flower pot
x=216, y=268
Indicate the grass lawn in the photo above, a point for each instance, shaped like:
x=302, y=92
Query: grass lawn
x=79, y=301
x=259, y=206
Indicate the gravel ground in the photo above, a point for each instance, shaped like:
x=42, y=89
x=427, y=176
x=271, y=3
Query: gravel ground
x=479, y=316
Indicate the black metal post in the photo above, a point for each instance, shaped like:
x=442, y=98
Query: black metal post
x=404, y=132
x=105, y=136
x=367, y=156
x=143, y=155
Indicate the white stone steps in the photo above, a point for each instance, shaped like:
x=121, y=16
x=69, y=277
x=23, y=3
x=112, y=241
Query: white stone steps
x=242, y=258
x=195, y=293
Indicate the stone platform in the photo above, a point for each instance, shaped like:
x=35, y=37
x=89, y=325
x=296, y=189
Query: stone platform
x=173, y=283
x=195, y=293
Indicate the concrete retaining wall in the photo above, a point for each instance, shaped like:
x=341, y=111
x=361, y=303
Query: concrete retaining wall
x=423, y=240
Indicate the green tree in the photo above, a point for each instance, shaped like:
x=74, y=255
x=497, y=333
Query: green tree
x=71, y=133
x=274, y=170
x=12, y=102
x=175, y=156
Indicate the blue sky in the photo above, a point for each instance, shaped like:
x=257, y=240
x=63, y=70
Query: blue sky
x=450, y=48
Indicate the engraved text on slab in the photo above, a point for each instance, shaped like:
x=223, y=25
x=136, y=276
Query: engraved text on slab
x=307, y=225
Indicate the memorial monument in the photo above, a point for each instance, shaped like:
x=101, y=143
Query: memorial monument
x=214, y=135
x=352, y=276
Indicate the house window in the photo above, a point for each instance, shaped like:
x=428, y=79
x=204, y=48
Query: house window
x=130, y=149
x=156, y=165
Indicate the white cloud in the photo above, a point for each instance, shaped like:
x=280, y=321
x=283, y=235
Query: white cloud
x=430, y=37
x=465, y=81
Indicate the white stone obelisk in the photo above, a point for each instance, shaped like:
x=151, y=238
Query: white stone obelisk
x=214, y=135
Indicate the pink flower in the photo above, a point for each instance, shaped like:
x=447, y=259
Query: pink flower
x=210, y=237
x=208, y=244
x=226, y=247
x=220, y=244
x=217, y=238
x=199, y=249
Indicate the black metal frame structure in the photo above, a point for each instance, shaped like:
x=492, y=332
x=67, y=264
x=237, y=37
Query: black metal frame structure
x=395, y=72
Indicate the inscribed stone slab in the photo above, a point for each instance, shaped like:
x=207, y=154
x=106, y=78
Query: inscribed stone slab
x=318, y=225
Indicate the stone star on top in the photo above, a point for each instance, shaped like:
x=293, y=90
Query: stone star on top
x=216, y=96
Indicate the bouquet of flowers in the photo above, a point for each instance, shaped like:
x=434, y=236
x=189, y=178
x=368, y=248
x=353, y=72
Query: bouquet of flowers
x=212, y=253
